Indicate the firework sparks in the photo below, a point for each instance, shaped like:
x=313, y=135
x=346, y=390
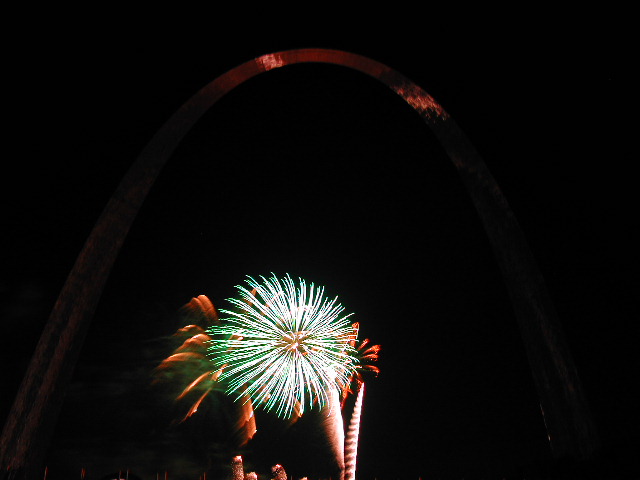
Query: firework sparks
x=190, y=363
x=366, y=354
x=285, y=346
x=190, y=359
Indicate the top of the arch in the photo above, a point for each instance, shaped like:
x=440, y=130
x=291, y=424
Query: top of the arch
x=414, y=95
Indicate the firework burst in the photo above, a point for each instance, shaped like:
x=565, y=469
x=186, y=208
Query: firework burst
x=285, y=346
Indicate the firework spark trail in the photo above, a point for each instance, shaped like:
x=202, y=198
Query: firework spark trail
x=287, y=344
x=351, y=440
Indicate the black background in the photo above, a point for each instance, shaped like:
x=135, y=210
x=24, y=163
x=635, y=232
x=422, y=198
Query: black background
x=321, y=172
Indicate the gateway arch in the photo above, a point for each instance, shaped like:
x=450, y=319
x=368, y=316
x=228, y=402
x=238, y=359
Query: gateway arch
x=30, y=422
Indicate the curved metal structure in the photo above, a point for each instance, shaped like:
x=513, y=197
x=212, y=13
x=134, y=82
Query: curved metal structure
x=30, y=423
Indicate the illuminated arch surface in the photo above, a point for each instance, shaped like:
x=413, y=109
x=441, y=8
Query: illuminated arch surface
x=30, y=423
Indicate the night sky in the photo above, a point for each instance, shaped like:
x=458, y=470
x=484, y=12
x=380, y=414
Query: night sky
x=323, y=173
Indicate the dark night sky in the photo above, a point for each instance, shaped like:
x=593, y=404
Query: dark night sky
x=323, y=173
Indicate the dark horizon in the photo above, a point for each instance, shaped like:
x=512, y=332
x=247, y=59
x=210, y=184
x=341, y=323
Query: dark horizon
x=321, y=172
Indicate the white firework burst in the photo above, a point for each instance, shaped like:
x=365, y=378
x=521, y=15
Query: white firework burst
x=284, y=345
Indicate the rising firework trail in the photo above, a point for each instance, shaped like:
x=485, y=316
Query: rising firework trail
x=351, y=439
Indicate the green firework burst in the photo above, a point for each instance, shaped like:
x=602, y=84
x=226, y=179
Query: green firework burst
x=284, y=345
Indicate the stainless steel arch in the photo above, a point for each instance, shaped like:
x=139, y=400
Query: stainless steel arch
x=31, y=420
